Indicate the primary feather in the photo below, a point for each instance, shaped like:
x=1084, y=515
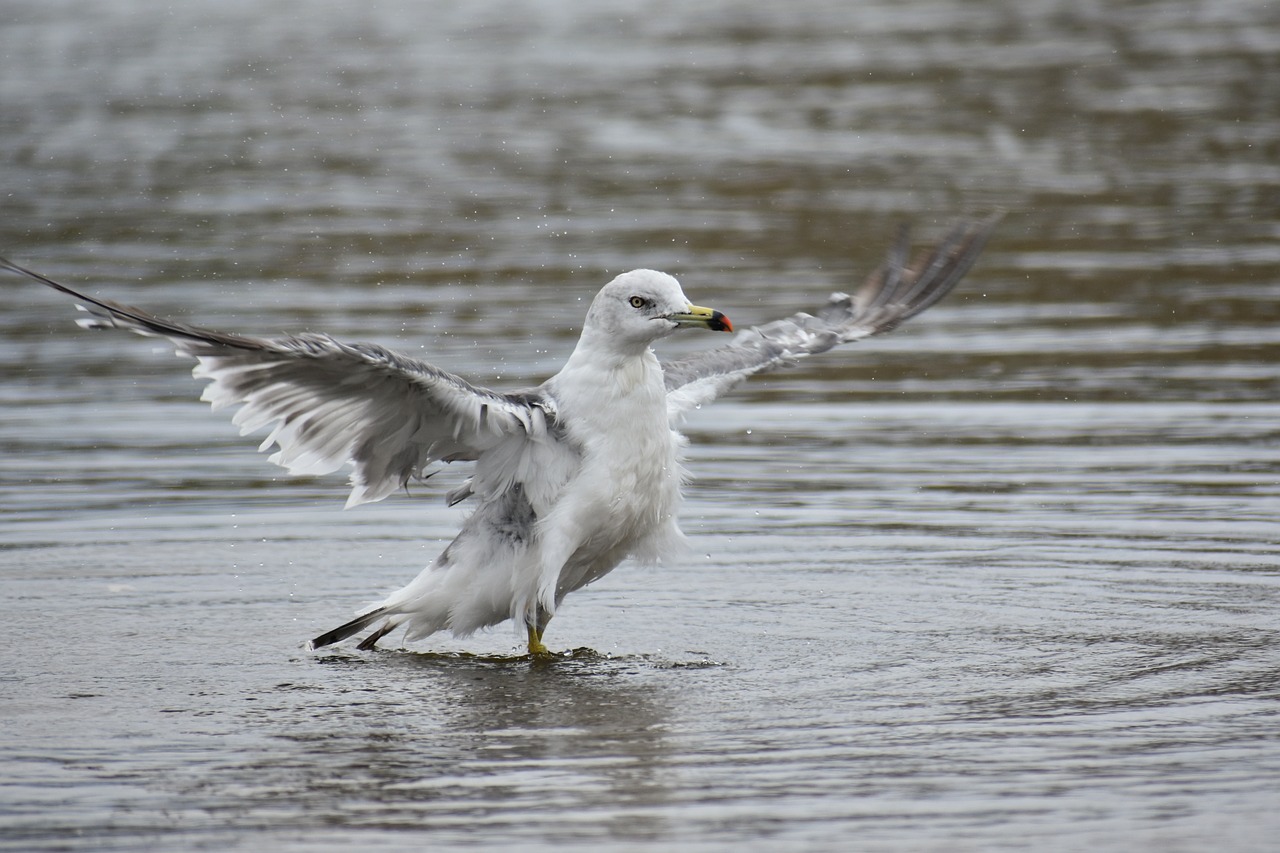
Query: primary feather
x=893, y=294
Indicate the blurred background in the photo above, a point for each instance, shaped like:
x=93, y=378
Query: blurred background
x=1005, y=577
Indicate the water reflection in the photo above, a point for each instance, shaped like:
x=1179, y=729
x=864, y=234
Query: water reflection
x=410, y=735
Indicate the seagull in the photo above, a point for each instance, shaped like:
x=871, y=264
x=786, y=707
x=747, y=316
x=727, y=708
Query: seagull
x=570, y=478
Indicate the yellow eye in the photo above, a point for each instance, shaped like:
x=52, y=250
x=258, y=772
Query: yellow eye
x=638, y=302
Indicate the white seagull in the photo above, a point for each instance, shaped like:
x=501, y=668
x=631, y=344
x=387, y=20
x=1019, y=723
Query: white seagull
x=571, y=477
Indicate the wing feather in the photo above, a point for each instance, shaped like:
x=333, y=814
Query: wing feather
x=897, y=291
x=330, y=403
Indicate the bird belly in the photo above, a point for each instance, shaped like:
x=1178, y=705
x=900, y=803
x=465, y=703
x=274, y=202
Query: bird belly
x=628, y=502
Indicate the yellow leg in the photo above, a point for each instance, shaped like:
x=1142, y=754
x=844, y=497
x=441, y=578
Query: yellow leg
x=535, y=643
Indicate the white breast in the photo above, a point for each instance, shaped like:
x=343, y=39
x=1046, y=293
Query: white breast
x=626, y=494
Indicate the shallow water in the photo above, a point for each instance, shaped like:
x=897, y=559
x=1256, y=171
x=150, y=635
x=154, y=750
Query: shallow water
x=1007, y=578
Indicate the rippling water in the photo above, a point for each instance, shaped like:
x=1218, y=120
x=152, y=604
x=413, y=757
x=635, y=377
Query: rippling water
x=1006, y=578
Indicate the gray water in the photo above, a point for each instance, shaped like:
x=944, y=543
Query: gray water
x=1005, y=579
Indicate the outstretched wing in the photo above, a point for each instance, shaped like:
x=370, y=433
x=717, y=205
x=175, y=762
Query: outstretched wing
x=897, y=291
x=333, y=403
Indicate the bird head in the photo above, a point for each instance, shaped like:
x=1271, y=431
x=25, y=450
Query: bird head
x=641, y=306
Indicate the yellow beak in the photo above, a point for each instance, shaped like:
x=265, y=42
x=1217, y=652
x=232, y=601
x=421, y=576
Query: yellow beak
x=702, y=318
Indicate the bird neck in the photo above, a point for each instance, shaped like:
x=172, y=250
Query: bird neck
x=612, y=352
x=609, y=372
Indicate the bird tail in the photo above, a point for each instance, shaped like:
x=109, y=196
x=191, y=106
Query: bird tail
x=345, y=630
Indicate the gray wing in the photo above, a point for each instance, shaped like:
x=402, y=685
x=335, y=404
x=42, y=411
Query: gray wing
x=332, y=403
x=897, y=291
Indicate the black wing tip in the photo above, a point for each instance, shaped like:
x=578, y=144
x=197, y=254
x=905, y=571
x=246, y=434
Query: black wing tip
x=946, y=263
x=135, y=319
x=346, y=629
x=899, y=290
x=17, y=269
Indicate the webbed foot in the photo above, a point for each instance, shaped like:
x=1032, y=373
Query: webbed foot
x=536, y=648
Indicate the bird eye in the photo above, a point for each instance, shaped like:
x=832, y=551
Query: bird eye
x=638, y=302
